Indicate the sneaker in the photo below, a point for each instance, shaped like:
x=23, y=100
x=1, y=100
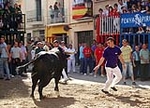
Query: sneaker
x=102, y=75
x=106, y=92
x=113, y=88
x=133, y=83
x=95, y=76
x=85, y=74
x=90, y=73
x=12, y=76
x=124, y=83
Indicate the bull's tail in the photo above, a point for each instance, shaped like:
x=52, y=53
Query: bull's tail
x=22, y=67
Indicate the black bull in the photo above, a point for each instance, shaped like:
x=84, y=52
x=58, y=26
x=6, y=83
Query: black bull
x=45, y=67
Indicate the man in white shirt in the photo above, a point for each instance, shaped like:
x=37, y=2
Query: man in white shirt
x=71, y=60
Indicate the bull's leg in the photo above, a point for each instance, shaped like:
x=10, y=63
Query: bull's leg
x=40, y=90
x=56, y=87
x=34, y=83
x=43, y=82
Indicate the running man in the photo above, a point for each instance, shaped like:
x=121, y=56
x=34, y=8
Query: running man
x=111, y=55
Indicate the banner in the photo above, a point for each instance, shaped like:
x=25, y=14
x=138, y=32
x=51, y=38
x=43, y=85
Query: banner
x=134, y=20
x=81, y=9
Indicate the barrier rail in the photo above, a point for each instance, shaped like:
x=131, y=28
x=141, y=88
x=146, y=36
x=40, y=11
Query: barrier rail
x=136, y=38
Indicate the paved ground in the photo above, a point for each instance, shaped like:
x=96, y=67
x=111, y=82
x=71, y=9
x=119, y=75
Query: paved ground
x=90, y=78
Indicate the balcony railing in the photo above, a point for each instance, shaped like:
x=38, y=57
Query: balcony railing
x=109, y=25
x=13, y=22
x=33, y=16
x=57, y=16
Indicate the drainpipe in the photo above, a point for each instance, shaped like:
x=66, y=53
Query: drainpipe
x=93, y=19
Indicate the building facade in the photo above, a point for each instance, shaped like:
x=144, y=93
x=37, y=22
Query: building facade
x=78, y=15
x=68, y=20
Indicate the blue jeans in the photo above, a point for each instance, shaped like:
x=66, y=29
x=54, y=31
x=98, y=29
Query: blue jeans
x=82, y=65
x=88, y=62
x=1, y=69
x=129, y=68
x=6, y=67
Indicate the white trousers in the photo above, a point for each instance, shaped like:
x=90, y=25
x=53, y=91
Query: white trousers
x=113, y=77
x=71, y=65
x=64, y=74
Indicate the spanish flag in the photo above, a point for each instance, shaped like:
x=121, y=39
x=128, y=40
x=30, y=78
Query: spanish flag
x=79, y=12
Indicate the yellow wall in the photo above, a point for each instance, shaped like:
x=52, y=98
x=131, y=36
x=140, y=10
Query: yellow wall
x=51, y=30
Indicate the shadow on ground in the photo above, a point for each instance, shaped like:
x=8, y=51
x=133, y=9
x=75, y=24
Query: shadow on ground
x=13, y=87
x=60, y=102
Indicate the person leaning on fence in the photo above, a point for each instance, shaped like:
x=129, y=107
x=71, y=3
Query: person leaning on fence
x=111, y=55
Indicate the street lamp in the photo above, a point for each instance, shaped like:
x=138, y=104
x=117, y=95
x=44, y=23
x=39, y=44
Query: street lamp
x=88, y=5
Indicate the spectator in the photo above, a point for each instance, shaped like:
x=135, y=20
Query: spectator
x=120, y=5
x=33, y=53
x=139, y=6
x=87, y=59
x=98, y=54
x=29, y=48
x=56, y=11
x=147, y=8
x=81, y=58
x=144, y=60
x=51, y=11
x=106, y=11
x=39, y=47
x=140, y=30
x=4, y=58
x=134, y=8
x=116, y=18
x=56, y=45
x=71, y=60
x=15, y=53
x=23, y=56
x=47, y=46
x=93, y=47
x=127, y=56
x=136, y=62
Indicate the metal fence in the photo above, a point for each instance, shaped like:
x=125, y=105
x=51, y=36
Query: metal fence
x=109, y=25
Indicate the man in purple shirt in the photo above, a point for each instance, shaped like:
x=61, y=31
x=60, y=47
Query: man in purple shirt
x=111, y=55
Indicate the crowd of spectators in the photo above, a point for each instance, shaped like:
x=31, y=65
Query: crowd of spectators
x=123, y=6
x=10, y=17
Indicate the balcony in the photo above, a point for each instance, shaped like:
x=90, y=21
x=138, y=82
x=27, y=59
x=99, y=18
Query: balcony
x=34, y=17
x=57, y=17
x=13, y=23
